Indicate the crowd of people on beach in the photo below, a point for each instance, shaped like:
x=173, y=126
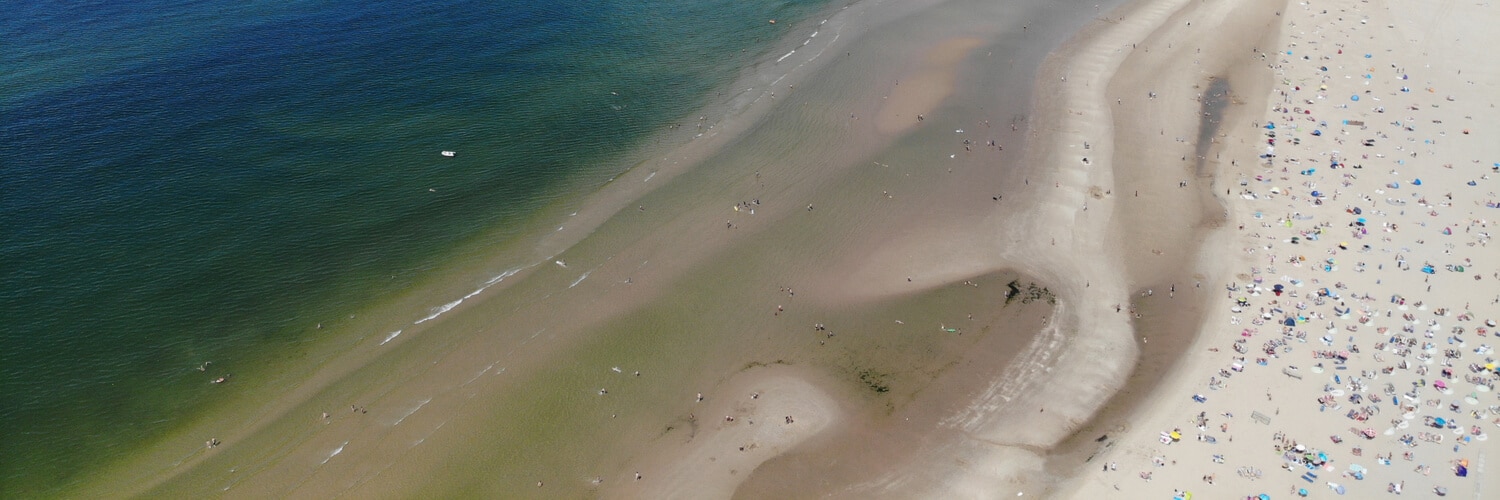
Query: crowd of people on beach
x=1368, y=300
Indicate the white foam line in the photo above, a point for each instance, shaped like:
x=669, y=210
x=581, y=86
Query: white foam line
x=648, y=177
x=477, y=375
x=438, y=311
x=580, y=279
x=336, y=452
x=413, y=410
x=788, y=54
x=391, y=336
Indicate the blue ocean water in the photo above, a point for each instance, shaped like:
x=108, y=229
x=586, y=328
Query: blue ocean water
x=186, y=180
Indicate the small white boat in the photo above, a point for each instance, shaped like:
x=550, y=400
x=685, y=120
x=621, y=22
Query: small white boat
x=449, y=153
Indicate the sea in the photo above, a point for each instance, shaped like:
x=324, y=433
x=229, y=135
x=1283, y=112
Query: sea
x=185, y=181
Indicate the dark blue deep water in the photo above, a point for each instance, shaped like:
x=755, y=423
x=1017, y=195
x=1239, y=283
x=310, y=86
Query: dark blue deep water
x=184, y=180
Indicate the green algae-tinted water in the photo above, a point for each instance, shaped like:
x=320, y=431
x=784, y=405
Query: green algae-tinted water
x=188, y=181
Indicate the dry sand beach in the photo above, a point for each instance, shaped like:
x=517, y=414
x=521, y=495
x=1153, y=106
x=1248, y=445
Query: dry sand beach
x=1344, y=351
x=964, y=250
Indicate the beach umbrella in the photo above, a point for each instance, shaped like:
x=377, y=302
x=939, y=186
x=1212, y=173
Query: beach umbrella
x=1416, y=182
x=1462, y=471
x=1354, y=97
x=1301, y=492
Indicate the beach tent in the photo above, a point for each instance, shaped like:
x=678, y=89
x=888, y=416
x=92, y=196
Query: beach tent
x=1263, y=496
x=1416, y=182
x=1462, y=471
x=1336, y=487
x=1290, y=322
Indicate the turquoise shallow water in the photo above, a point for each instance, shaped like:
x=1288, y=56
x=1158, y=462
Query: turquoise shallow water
x=189, y=180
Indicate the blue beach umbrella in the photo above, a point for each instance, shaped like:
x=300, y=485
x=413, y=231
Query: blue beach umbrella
x=1354, y=97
